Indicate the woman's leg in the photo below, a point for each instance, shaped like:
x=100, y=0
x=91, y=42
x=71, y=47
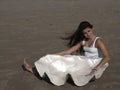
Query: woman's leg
x=27, y=66
x=30, y=69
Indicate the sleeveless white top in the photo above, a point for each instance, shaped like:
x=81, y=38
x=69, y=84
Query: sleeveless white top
x=92, y=51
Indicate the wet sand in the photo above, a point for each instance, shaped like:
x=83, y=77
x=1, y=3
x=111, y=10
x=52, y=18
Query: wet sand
x=32, y=28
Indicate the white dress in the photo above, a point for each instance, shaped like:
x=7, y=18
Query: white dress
x=59, y=67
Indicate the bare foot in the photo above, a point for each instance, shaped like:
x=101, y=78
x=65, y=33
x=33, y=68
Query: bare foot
x=27, y=66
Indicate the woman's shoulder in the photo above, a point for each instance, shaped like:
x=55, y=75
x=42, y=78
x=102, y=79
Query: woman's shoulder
x=99, y=41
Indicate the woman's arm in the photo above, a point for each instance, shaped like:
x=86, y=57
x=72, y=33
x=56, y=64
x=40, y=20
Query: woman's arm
x=71, y=50
x=100, y=44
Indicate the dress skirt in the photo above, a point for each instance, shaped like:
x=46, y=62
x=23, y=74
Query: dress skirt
x=58, y=68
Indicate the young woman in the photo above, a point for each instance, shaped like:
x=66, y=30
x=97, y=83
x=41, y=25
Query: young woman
x=92, y=61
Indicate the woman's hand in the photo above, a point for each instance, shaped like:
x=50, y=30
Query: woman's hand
x=92, y=72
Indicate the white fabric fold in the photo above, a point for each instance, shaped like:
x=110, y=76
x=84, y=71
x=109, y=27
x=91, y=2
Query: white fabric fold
x=58, y=67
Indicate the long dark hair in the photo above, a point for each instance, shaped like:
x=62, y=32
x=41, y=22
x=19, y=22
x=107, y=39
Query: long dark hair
x=78, y=36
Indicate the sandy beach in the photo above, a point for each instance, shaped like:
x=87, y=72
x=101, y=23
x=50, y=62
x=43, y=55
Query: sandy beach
x=32, y=28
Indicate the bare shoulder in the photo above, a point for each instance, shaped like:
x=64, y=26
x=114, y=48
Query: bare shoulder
x=100, y=42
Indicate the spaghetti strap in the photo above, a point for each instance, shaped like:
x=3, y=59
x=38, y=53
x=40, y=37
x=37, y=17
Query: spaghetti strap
x=95, y=41
x=83, y=42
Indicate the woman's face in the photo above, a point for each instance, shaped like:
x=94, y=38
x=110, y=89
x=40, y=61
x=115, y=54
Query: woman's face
x=88, y=33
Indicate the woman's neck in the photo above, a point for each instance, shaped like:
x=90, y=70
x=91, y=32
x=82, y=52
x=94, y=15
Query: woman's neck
x=92, y=38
